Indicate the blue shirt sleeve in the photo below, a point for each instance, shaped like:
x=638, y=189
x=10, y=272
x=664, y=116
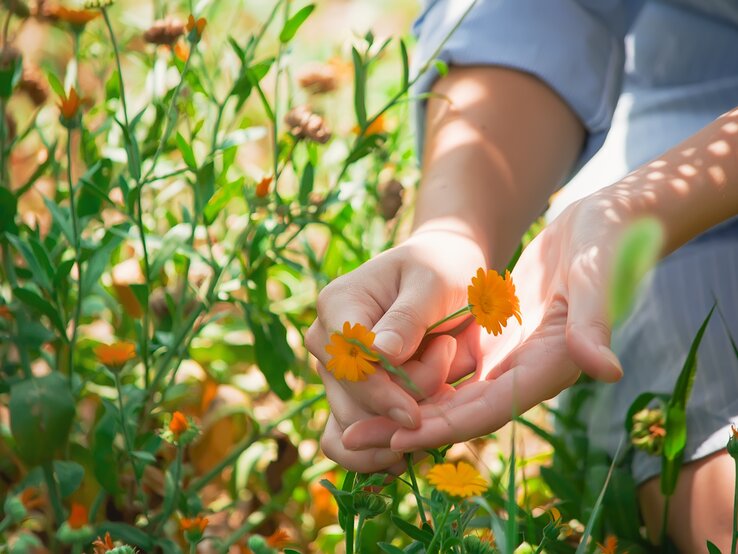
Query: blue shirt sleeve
x=574, y=46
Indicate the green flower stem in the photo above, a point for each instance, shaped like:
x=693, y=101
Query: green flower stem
x=177, y=476
x=461, y=311
x=350, y=533
x=116, y=52
x=664, y=522
x=237, y=450
x=193, y=548
x=21, y=318
x=3, y=131
x=5, y=523
x=385, y=363
x=438, y=531
x=54, y=495
x=77, y=257
x=359, y=528
x=416, y=490
x=735, y=512
x=127, y=440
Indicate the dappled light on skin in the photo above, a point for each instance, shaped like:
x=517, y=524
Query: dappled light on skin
x=719, y=148
x=731, y=127
x=687, y=170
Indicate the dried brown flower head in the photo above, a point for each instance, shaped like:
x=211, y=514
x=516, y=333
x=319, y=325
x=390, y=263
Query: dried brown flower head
x=164, y=31
x=390, y=198
x=306, y=124
x=32, y=82
x=318, y=78
x=8, y=56
x=18, y=8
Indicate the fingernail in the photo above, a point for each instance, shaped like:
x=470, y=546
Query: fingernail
x=612, y=358
x=389, y=342
x=402, y=417
x=387, y=458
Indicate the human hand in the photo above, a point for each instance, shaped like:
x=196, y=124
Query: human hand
x=398, y=295
x=562, y=282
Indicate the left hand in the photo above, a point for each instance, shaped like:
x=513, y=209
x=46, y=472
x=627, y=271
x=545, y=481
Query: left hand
x=562, y=282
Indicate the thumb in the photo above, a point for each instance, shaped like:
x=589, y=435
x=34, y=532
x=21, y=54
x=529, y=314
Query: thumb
x=588, y=327
x=401, y=329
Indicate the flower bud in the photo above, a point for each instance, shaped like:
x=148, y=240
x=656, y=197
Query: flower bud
x=648, y=431
x=733, y=442
x=305, y=124
x=14, y=509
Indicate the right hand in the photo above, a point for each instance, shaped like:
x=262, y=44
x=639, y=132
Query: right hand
x=398, y=295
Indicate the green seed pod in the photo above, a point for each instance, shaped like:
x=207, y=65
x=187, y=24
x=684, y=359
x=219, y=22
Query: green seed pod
x=258, y=545
x=14, y=509
x=475, y=545
x=369, y=504
x=68, y=535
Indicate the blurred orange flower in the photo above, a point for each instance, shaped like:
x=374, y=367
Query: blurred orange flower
x=101, y=546
x=460, y=480
x=376, y=127
x=5, y=313
x=493, y=300
x=279, y=539
x=115, y=355
x=178, y=424
x=78, y=18
x=31, y=498
x=198, y=523
x=78, y=516
x=182, y=51
x=349, y=361
x=610, y=546
x=262, y=189
x=69, y=105
x=196, y=25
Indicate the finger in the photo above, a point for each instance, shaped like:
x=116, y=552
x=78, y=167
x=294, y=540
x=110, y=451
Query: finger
x=430, y=371
x=344, y=408
x=403, y=326
x=486, y=406
x=401, y=467
x=587, y=327
x=374, y=432
x=380, y=395
x=365, y=461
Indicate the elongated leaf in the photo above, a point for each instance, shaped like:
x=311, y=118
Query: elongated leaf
x=293, y=23
x=273, y=354
x=712, y=549
x=186, y=150
x=411, y=531
x=39, y=304
x=389, y=548
x=359, y=88
x=98, y=262
x=8, y=209
x=55, y=84
x=306, y=184
x=637, y=253
x=676, y=416
x=405, y=65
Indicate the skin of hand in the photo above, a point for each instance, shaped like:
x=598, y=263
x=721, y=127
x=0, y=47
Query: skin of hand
x=562, y=279
x=479, y=188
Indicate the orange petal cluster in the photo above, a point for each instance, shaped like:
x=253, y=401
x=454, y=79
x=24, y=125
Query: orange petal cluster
x=178, y=424
x=198, y=25
x=460, y=480
x=72, y=16
x=348, y=360
x=262, y=189
x=78, y=517
x=198, y=523
x=115, y=355
x=69, y=104
x=101, y=546
x=279, y=539
x=493, y=301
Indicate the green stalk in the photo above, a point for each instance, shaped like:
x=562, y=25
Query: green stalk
x=5, y=523
x=359, y=528
x=734, y=538
x=177, y=486
x=2, y=140
x=77, y=256
x=350, y=534
x=438, y=531
x=416, y=490
x=664, y=522
x=461, y=311
x=54, y=495
x=116, y=52
x=127, y=440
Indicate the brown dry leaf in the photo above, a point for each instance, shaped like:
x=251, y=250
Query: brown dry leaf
x=287, y=455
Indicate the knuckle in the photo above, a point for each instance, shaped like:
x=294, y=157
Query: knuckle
x=403, y=312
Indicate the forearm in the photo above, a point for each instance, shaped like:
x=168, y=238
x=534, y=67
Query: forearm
x=691, y=188
x=498, y=142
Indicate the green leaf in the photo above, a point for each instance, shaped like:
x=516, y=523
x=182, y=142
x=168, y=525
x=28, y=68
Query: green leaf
x=411, y=531
x=306, y=184
x=274, y=355
x=144, y=456
x=103, y=451
x=56, y=84
x=405, y=65
x=641, y=402
x=69, y=474
x=637, y=252
x=61, y=219
x=94, y=185
x=220, y=199
x=8, y=209
x=293, y=23
x=441, y=67
x=98, y=262
x=359, y=88
x=186, y=150
x=10, y=74
x=389, y=548
x=676, y=432
x=39, y=304
x=41, y=415
x=712, y=549
x=683, y=386
x=127, y=534
x=39, y=268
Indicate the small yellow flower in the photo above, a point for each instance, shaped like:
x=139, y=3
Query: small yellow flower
x=460, y=480
x=493, y=301
x=115, y=355
x=348, y=360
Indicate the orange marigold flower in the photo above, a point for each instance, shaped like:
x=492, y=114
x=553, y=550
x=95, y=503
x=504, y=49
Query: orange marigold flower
x=493, y=300
x=78, y=516
x=262, y=189
x=279, y=539
x=348, y=360
x=198, y=523
x=376, y=127
x=178, y=424
x=101, y=546
x=5, y=313
x=31, y=498
x=69, y=105
x=460, y=480
x=115, y=355
x=77, y=18
x=610, y=546
x=197, y=25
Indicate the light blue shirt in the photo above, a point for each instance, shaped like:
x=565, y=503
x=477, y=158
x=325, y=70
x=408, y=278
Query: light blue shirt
x=642, y=76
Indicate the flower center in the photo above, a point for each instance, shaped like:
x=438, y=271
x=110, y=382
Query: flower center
x=353, y=351
x=487, y=304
